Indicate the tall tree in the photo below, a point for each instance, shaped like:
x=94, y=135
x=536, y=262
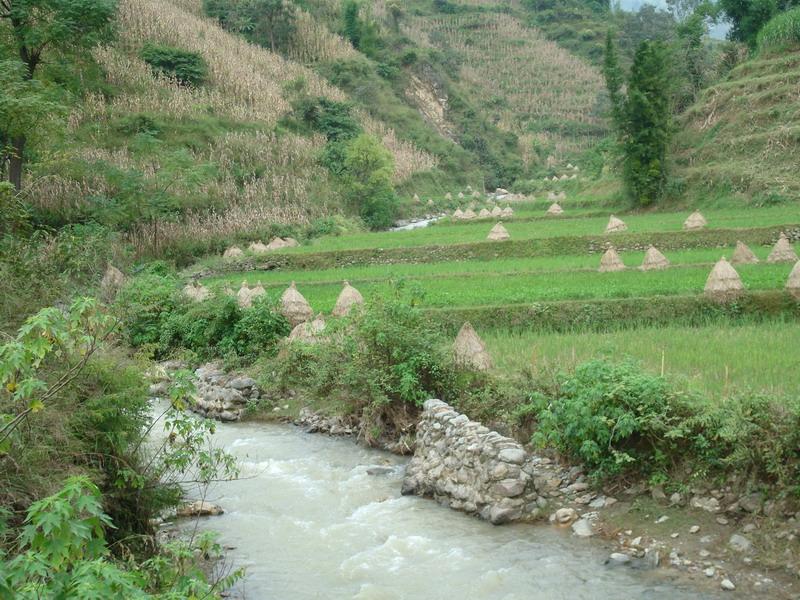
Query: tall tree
x=39, y=27
x=614, y=80
x=749, y=16
x=647, y=124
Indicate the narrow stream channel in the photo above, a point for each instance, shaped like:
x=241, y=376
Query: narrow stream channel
x=308, y=520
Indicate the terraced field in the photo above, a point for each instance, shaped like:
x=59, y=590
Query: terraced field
x=538, y=304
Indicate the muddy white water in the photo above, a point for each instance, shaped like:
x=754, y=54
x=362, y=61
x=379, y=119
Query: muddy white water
x=308, y=521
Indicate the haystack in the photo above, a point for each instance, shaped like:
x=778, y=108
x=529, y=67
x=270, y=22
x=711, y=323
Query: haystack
x=552, y=196
x=695, y=221
x=564, y=177
x=458, y=214
x=196, y=292
x=416, y=198
x=348, y=298
x=615, y=225
x=484, y=214
x=112, y=282
x=498, y=233
x=233, y=252
x=258, y=247
x=461, y=195
x=654, y=260
x=723, y=283
x=555, y=178
x=430, y=202
x=290, y=242
x=782, y=251
x=507, y=212
x=611, y=261
x=243, y=296
x=256, y=292
x=476, y=194
x=793, y=283
x=555, y=210
x=497, y=211
x=294, y=307
x=743, y=255
x=573, y=176
x=276, y=244
x=308, y=332
x=469, y=215
x=470, y=351
x=448, y=196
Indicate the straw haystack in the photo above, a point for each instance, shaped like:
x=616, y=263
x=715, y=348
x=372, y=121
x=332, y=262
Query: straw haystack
x=476, y=194
x=469, y=215
x=497, y=211
x=555, y=210
x=564, y=177
x=615, y=225
x=243, y=296
x=555, y=178
x=348, y=298
x=308, y=332
x=416, y=198
x=484, y=214
x=793, y=283
x=276, y=244
x=611, y=261
x=448, y=196
x=112, y=282
x=430, y=202
x=782, y=251
x=723, y=283
x=233, y=252
x=256, y=292
x=569, y=166
x=470, y=351
x=695, y=221
x=258, y=247
x=289, y=242
x=294, y=306
x=552, y=196
x=461, y=195
x=743, y=255
x=196, y=292
x=654, y=260
x=507, y=212
x=573, y=176
x=458, y=214
x=498, y=234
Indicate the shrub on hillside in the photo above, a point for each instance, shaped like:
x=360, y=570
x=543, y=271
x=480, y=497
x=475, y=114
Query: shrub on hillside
x=188, y=68
x=258, y=331
x=782, y=32
x=205, y=327
x=144, y=305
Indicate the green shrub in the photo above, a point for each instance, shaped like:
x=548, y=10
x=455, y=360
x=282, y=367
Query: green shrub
x=615, y=419
x=258, y=331
x=205, y=327
x=188, y=68
x=144, y=304
x=782, y=32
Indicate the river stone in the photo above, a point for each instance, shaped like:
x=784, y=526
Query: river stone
x=740, y=543
x=752, y=503
x=708, y=504
x=619, y=558
x=242, y=383
x=199, y=508
x=727, y=585
x=512, y=455
x=509, y=487
x=582, y=528
x=565, y=516
x=379, y=470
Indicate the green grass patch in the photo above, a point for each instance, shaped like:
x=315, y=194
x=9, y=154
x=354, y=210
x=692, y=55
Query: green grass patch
x=716, y=360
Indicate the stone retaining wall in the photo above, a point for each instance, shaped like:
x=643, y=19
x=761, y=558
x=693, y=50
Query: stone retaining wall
x=465, y=466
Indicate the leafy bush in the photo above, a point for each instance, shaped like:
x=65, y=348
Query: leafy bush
x=188, y=68
x=258, y=330
x=202, y=327
x=144, y=304
x=781, y=32
x=615, y=419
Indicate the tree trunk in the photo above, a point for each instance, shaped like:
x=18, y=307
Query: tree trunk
x=15, y=162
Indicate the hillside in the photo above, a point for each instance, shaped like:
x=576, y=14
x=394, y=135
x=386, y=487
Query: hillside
x=742, y=137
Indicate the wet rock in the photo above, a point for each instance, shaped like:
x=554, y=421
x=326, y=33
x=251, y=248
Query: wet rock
x=708, y=504
x=710, y=572
x=379, y=470
x=676, y=499
x=159, y=389
x=565, y=516
x=619, y=558
x=657, y=493
x=199, y=508
x=694, y=528
x=752, y=503
x=582, y=528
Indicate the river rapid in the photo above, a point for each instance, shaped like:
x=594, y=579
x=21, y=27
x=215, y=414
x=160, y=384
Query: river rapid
x=319, y=517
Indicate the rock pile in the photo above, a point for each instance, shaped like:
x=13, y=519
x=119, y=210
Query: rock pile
x=222, y=396
x=465, y=466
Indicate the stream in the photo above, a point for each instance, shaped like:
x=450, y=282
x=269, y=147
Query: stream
x=320, y=517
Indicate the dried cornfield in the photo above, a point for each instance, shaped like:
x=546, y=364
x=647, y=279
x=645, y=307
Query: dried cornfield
x=503, y=59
